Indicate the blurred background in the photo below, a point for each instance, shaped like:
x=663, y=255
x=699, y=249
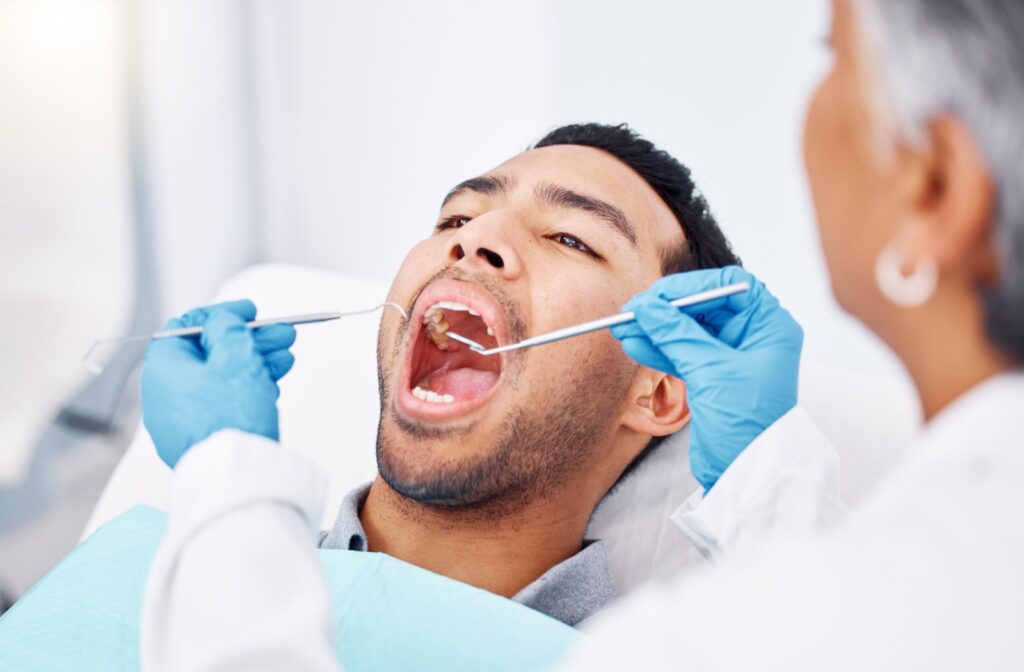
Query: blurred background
x=149, y=149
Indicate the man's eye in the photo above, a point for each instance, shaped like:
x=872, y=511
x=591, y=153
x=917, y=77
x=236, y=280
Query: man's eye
x=574, y=243
x=453, y=222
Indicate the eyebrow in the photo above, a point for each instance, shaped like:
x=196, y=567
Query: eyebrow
x=555, y=196
x=485, y=184
x=561, y=197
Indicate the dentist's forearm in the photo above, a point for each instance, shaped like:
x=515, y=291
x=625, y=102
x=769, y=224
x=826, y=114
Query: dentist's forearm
x=236, y=583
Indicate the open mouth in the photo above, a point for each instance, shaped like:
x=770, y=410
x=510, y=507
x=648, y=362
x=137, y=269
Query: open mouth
x=444, y=377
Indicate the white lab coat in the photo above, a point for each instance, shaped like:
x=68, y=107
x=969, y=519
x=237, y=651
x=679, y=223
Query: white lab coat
x=925, y=575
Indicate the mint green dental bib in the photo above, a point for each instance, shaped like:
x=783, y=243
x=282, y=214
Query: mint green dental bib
x=389, y=615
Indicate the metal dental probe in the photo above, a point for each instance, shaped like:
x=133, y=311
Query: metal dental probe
x=307, y=318
x=597, y=325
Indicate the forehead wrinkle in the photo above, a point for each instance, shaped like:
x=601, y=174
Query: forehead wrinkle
x=484, y=184
x=561, y=197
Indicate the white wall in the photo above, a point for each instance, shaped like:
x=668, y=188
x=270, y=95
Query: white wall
x=380, y=108
x=65, y=231
x=198, y=154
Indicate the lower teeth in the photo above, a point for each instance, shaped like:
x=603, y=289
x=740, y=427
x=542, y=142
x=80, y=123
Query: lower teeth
x=432, y=397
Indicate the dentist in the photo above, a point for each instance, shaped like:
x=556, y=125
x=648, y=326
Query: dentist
x=914, y=147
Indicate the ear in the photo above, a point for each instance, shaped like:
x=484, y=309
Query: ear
x=657, y=404
x=951, y=196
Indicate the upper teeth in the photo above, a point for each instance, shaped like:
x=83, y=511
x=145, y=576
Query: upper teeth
x=437, y=326
x=447, y=305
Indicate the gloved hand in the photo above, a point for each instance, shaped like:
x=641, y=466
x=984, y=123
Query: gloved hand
x=739, y=357
x=227, y=378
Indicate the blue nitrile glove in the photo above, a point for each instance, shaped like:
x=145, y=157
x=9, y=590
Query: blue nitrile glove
x=226, y=379
x=739, y=357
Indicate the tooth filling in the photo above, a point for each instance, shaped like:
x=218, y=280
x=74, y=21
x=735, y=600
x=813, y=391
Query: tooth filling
x=437, y=321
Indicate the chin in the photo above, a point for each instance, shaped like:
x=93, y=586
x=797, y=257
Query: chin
x=425, y=469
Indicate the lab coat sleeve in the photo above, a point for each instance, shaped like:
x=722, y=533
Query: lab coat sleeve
x=236, y=583
x=785, y=483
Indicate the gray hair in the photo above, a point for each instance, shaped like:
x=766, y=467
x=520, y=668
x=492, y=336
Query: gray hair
x=965, y=58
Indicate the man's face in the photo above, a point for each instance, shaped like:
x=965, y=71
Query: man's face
x=552, y=237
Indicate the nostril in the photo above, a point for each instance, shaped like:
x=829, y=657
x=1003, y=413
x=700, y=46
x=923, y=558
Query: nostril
x=493, y=258
x=457, y=252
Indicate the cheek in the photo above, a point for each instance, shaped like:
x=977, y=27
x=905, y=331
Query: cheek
x=591, y=370
x=567, y=296
x=577, y=364
x=419, y=265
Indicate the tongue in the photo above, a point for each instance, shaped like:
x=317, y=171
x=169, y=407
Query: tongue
x=463, y=383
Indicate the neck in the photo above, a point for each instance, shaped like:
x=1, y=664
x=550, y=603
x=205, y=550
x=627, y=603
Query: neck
x=947, y=352
x=500, y=553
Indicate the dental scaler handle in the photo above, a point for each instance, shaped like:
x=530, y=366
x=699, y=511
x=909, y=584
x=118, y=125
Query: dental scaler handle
x=612, y=320
x=255, y=324
x=307, y=318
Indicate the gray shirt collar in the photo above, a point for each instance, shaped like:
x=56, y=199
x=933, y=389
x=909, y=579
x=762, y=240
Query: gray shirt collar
x=571, y=591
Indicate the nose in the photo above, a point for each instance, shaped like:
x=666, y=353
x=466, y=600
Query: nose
x=488, y=243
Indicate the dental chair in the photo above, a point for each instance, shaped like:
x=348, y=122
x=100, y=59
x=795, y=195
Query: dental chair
x=329, y=410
